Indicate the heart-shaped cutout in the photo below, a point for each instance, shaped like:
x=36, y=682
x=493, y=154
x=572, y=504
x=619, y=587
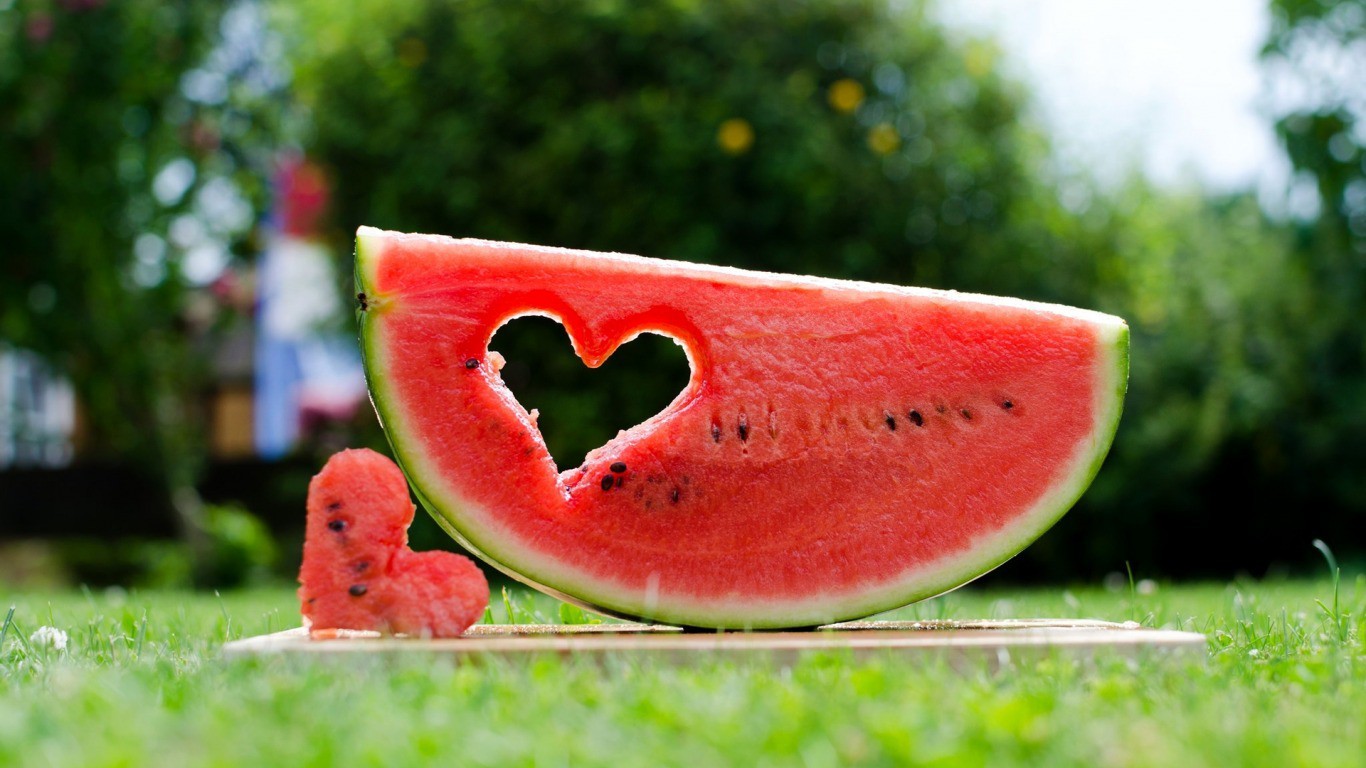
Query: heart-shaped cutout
x=581, y=408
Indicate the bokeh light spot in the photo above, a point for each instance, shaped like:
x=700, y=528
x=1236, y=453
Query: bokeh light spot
x=735, y=136
x=883, y=139
x=846, y=95
x=980, y=59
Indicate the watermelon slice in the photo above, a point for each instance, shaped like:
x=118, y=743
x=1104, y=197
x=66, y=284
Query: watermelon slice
x=358, y=572
x=841, y=449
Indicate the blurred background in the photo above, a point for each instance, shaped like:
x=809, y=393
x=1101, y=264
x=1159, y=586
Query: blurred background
x=180, y=181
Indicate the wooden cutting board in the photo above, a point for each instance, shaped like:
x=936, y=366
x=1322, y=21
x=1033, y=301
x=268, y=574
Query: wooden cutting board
x=995, y=642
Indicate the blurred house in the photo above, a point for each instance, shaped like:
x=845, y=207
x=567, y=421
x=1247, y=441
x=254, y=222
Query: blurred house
x=290, y=366
x=307, y=368
x=37, y=413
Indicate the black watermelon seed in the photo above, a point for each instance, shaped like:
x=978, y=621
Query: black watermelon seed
x=334, y=506
x=618, y=481
x=716, y=433
x=917, y=419
x=742, y=429
x=357, y=590
x=360, y=297
x=618, y=467
x=472, y=363
x=607, y=481
x=673, y=495
x=1007, y=405
x=966, y=414
x=891, y=421
x=337, y=525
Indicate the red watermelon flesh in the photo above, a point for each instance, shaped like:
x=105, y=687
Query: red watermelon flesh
x=358, y=572
x=841, y=448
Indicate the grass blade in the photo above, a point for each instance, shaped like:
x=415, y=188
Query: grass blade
x=9, y=619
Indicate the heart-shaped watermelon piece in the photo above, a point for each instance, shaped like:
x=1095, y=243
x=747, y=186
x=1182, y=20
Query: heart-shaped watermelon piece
x=358, y=572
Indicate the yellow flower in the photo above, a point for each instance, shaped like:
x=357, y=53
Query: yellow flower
x=979, y=59
x=846, y=95
x=883, y=139
x=735, y=136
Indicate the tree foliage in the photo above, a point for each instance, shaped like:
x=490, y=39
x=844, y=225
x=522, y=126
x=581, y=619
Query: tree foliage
x=102, y=154
x=87, y=98
x=825, y=138
x=1209, y=453
x=1315, y=55
x=853, y=140
x=830, y=138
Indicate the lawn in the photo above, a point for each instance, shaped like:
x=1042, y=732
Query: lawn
x=141, y=683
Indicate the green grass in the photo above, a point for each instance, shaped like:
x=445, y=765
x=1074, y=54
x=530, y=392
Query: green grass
x=141, y=683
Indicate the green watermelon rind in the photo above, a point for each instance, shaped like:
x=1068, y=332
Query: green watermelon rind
x=538, y=570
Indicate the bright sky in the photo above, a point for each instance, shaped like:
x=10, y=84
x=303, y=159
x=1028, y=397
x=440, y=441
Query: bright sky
x=1170, y=84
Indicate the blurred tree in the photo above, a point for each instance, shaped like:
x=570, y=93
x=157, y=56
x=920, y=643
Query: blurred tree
x=841, y=139
x=103, y=153
x=827, y=138
x=1207, y=461
x=1315, y=57
x=852, y=139
x=835, y=138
